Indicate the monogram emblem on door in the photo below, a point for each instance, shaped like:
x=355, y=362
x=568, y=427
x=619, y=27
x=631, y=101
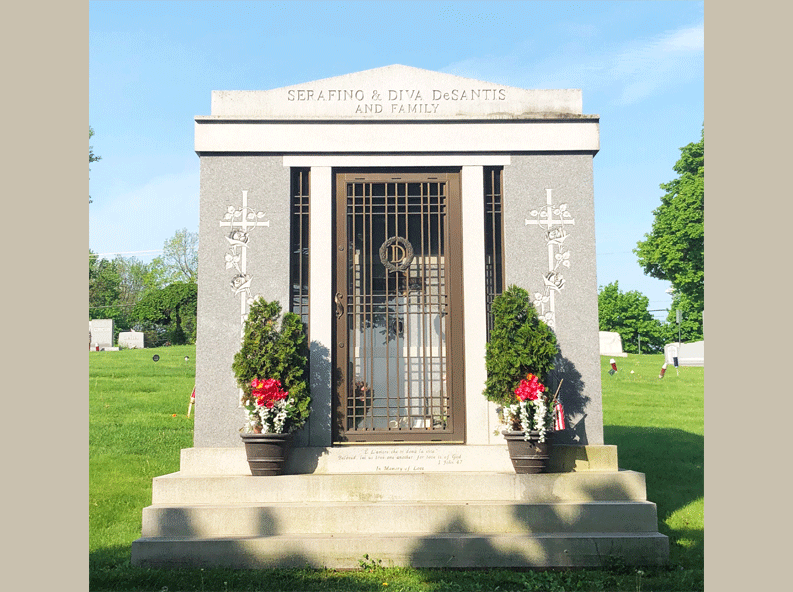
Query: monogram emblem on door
x=396, y=253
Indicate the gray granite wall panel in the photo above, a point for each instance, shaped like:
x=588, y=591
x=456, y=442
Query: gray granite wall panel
x=264, y=259
x=571, y=309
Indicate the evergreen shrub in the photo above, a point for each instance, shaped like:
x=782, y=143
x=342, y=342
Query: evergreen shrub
x=520, y=343
x=273, y=351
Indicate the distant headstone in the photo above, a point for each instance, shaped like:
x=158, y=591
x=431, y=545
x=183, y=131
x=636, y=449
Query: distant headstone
x=611, y=344
x=131, y=339
x=101, y=333
x=687, y=354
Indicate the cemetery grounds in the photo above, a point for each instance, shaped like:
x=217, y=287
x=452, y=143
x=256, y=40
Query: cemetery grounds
x=138, y=424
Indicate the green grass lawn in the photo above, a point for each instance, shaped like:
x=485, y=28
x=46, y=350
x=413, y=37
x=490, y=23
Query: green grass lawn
x=658, y=426
x=138, y=425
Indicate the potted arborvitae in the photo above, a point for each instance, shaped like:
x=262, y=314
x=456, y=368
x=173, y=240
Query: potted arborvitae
x=271, y=370
x=519, y=356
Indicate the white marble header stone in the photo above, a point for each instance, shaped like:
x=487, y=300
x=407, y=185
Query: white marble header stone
x=397, y=93
x=451, y=137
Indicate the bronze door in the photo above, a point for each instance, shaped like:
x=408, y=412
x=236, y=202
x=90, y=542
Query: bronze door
x=398, y=308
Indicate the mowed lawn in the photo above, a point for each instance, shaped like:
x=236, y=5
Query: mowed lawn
x=658, y=426
x=139, y=423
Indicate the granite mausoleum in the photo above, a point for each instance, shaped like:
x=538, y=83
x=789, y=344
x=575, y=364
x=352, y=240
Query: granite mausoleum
x=388, y=208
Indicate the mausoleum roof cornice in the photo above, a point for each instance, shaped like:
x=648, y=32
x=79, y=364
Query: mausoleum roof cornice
x=215, y=135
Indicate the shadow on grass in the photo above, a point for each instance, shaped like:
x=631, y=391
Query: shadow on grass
x=672, y=461
x=110, y=569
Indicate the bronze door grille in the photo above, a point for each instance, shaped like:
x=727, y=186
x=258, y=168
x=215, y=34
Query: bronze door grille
x=494, y=251
x=299, y=260
x=398, y=332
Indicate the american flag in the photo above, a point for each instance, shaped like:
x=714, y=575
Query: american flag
x=192, y=402
x=558, y=421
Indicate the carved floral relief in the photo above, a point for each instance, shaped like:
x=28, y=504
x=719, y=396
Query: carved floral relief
x=241, y=221
x=552, y=219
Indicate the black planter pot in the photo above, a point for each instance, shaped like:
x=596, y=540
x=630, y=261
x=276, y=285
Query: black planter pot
x=529, y=456
x=266, y=453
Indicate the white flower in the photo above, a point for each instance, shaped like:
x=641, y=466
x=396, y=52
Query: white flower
x=540, y=418
x=525, y=420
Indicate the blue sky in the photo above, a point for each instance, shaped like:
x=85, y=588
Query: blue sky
x=153, y=65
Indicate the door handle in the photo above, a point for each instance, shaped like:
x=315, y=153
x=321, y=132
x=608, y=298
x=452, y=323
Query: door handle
x=339, y=306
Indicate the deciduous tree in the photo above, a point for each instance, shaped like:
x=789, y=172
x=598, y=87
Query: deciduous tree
x=690, y=328
x=627, y=313
x=179, y=260
x=104, y=284
x=173, y=306
x=675, y=248
x=104, y=291
x=137, y=278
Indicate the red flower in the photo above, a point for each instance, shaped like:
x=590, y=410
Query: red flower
x=267, y=392
x=529, y=388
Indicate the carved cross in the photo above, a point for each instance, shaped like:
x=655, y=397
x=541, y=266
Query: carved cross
x=552, y=219
x=241, y=221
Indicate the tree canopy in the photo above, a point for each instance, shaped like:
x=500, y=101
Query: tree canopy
x=174, y=306
x=179, y=260
x=105, y=290
x=137, y=278
x=134, y=295
x=103, y=285
x=627, y=313
x=675, y=248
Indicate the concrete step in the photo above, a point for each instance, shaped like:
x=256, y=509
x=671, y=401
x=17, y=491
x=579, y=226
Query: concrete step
x=456, y=519
x=451, y=550
x=347, y=518
x=187, y=489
